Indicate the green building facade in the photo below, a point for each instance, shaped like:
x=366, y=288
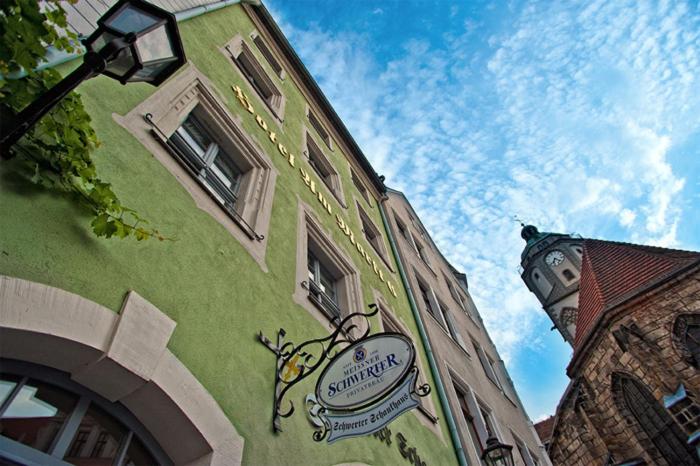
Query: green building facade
x=276, y=225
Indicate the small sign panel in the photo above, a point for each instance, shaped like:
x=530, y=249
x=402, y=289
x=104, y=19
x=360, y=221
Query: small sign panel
x=370, y=421
x=365, y=371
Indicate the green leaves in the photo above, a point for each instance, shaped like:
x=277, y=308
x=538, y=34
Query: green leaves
x=56, y=152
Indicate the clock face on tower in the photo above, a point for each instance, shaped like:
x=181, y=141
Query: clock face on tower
x=554, y=258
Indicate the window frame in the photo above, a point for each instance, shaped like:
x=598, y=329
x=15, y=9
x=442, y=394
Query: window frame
x=366, y=224
x=313, y=237
x=360, y=186
x=319, y=162
x=266, y=52
x=155, y=119
x=256, y=78
x=319, y=127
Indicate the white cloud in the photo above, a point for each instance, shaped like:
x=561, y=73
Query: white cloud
x=566, y=120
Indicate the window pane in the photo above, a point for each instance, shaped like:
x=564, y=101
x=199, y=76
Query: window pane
x=137, y=455
x=194, y=135
x=226, y=171
x=7, y=384
x=36, y=414
x=97, y=440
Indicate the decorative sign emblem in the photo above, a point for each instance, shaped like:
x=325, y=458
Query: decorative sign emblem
x=365, y=371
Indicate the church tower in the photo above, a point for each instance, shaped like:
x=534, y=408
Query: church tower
x=551, y=265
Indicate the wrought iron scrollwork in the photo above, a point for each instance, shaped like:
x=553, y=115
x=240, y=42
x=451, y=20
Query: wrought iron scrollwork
x=422, y=390
x=296, y=362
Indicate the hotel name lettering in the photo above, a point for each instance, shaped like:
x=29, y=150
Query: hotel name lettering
x=313, y=187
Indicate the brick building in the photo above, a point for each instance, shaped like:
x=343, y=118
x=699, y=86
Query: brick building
x=632, y=316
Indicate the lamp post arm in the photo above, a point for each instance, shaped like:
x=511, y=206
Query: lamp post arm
x=18, y=125
x=93, y=64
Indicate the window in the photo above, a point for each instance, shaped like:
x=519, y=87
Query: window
x=470, y=420
x=488, y=422
x=686, y=336
x=452, y=326
x=404, y=231
x=488, y=364
x=420, y=249
x=248, y=66
x=319, y=128
x=199, y=142
x=322, y=286
x=455, y=295
x=60, y=420
x=360, y=187
x=568, y=274
x=215, y=170
x=323, y=168
x=327, y=281
x=425, y=296
x=372, y=234
x=267, y=53
x=656, y=421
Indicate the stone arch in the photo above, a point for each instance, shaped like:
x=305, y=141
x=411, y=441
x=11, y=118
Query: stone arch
x=543, y=285
x=122, y=357
x=653, y=425
x=686, y=338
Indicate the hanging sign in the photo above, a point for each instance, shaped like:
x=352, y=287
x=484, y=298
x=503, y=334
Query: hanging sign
x=365, y=371
x=361, y=388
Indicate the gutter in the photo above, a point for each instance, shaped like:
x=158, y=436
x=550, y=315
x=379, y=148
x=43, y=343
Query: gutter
x=55, y=57
x=452, y=426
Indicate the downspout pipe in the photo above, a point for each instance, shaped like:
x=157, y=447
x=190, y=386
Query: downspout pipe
x=55, y=57
x=442, y=395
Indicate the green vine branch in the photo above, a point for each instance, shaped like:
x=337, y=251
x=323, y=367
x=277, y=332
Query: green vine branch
x=56, y=152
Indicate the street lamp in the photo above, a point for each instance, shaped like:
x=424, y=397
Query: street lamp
x=497, y=454
x=134, y=41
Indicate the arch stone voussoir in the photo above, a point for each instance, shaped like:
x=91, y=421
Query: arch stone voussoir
x=123, y=357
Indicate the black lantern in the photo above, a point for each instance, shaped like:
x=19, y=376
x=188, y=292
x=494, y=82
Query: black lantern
x=134, y=41
x=154, y=50
x=497, y=454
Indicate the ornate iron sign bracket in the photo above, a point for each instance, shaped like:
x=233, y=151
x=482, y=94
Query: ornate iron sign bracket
x=297, y=362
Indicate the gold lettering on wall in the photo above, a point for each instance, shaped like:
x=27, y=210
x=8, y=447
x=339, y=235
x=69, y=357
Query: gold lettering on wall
x=311, y=184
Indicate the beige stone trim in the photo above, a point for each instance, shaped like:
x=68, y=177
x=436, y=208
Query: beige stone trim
x=275, y=105
x=122, y=357
x=308, y=143
x=349, y=288
x=168, y=107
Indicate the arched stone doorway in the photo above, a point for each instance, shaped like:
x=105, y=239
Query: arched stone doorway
x=123, y=358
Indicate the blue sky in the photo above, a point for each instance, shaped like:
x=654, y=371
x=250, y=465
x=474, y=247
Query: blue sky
x=575, y=116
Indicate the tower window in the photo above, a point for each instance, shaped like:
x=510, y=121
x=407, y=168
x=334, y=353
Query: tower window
x=537, y=276
x=568, y=274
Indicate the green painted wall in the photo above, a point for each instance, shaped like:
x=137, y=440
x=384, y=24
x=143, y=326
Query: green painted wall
x=204, y=279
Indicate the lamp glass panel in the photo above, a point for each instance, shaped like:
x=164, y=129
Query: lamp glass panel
x=155, y=45
x=151, y=71
x=122, y=63
x=102, y=40
x=132, y=19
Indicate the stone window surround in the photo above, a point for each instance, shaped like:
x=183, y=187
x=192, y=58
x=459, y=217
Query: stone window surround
x=168, y=107
x=361, y=187
x=109, y=354
x=276, y=104
x=474, y=403
x=428, y=416
x=384, y=253
x=266, y=52
x=336, y=187
x=312, y=116
x=348, y=289
x=411, y=240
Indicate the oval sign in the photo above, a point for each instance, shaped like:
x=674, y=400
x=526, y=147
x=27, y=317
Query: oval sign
x=365, y=371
